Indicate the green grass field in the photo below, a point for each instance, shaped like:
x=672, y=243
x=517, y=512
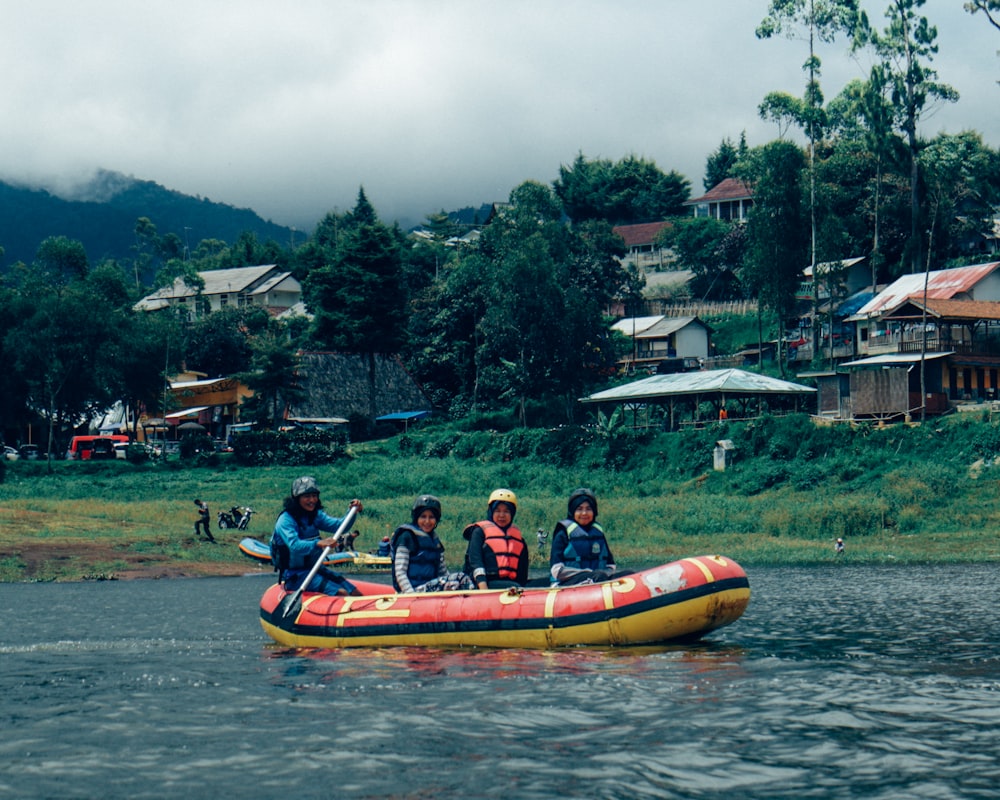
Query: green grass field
x=899, y=495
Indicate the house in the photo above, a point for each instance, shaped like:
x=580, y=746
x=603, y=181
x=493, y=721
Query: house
x=927, y=343
x=840, y=289
x=266, y=285
x=641, y=248
x=659, y=341
x=729, y=200
x=192, y=397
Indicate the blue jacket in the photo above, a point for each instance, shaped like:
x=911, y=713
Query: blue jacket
x=299, y=535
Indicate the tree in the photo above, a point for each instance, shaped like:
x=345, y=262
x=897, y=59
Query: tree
x=988, y=7
x=862, y=113
x=520, y=316
x=720, y=164
x=60, y=347
x=628, y=191
x=905, y=48
x=776, y=244
x=218, y=344
x=698, y=243
x=822, y=19
x=273, y=378
x=356, y=294
x=62, y=260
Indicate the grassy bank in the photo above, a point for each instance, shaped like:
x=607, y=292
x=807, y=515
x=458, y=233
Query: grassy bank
x=896, y=495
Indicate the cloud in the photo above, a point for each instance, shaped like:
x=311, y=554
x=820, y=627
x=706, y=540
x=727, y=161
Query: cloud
x=289, y=108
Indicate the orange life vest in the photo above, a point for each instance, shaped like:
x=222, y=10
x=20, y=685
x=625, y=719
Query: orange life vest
x=507, y=547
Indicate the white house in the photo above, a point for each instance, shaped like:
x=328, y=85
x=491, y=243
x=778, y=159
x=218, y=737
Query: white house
x=659, y=339
x=267, y=286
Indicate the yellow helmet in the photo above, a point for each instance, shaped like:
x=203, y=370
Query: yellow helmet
x=503, y=496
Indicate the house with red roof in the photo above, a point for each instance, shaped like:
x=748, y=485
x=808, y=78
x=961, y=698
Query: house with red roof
x=729, y=200
x=640, y=243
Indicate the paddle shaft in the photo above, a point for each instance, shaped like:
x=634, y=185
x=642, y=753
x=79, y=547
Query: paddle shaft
x=344, y=527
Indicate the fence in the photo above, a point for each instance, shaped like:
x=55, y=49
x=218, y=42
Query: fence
x=700, y=309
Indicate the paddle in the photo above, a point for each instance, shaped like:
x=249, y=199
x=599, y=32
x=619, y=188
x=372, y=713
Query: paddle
x=292, y=602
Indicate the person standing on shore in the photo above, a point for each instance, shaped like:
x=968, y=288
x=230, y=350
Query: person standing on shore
x=204, y=520
x=839, y=546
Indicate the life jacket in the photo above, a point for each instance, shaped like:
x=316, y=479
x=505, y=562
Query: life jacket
x=424, y=561
x=281, y=554
x=507, y=547
x=587, y=548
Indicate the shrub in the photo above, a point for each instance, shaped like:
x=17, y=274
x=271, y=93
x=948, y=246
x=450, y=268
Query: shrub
x=301, y=448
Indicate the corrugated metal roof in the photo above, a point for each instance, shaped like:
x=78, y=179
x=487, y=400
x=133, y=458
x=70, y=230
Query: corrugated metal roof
x=891, y=359
x=827, y=266
x=626, y=326
x=272, y=282
x=668, y=325
x=714, y=381
x=942, y=284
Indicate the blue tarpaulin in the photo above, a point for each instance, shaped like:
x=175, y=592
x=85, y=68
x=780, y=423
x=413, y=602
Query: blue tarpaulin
x=403, y=416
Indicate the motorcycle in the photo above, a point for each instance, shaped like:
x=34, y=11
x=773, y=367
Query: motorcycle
x=244, y=520
x=236, y=518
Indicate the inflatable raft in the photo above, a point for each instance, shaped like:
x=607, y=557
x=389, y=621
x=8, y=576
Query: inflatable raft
x=258, y=551
x=680, y=600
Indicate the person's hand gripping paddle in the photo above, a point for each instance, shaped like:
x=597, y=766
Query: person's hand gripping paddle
x=291, y=602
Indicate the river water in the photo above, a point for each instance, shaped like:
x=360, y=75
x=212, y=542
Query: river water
x=838, y=682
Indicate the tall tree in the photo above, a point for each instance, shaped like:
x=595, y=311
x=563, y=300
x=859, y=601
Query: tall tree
x=356, y=295
x=822, y=20
x=905, y=49
x=721, y=163
x=776, y=244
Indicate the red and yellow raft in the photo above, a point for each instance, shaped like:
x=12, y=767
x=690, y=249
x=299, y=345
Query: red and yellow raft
x=680, y=600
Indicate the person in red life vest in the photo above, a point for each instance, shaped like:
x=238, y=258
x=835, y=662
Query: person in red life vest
x=580, y=551
x=497, y=556
x=417, y=552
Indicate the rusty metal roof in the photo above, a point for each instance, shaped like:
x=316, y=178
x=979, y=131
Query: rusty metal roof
x=942, y=284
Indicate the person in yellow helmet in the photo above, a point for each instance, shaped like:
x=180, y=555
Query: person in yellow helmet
x=497, y=556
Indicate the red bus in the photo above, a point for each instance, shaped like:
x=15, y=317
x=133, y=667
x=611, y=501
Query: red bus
x=86, y=448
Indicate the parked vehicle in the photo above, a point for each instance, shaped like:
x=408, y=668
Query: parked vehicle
x=88, y=447
x=11, y=454
x=244, y=522
x=235, y=517
x=122, y=448
x=29, y=451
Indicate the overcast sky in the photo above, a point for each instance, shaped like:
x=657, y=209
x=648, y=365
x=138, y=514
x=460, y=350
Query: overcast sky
x=288, y=107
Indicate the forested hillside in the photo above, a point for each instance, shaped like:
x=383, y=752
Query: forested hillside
x=104, y=218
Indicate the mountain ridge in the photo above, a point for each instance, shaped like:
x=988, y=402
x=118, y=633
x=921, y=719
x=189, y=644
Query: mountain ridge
x=101, y=213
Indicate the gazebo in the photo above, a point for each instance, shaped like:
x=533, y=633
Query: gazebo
x=686, y=391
